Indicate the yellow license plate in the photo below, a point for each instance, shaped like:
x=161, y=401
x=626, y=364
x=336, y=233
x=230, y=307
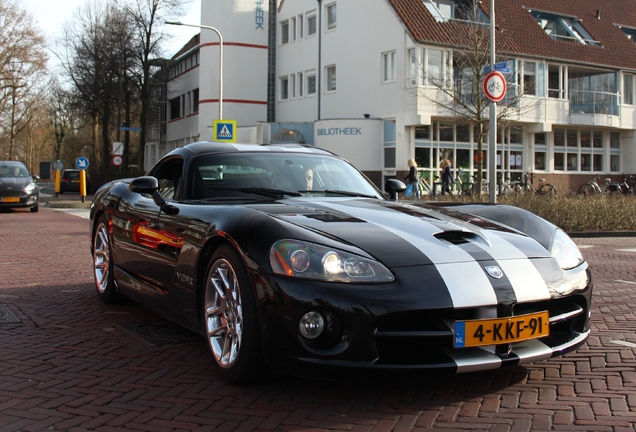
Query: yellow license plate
x=501, y=330
x=11, y=199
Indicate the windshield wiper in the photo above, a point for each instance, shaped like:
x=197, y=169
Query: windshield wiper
x=260, y=191
x=348, y=193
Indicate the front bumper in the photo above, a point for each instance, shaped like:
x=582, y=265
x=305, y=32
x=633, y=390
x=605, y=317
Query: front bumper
x=16, y=200
x=392, y=328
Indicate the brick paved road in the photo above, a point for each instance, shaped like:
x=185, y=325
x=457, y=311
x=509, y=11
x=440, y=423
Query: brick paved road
x=67, y=365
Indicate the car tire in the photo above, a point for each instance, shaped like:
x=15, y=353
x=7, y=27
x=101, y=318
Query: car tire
x=230, y=318
x=103, y=263
x=35, y=208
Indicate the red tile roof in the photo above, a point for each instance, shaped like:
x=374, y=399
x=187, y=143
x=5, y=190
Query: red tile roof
x=519, y=34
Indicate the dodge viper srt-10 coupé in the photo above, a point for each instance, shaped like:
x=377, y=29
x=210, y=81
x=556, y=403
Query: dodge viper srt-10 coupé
x=287, y=258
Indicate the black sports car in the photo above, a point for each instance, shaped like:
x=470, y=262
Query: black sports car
x=18, y=187
x=288, y=258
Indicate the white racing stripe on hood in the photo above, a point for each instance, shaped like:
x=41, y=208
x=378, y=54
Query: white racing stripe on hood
x=467, y=284
x=465, y=280
x=526, y=281
x=414, y=230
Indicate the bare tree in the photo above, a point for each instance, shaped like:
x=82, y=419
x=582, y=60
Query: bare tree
x=148, y=17
x=96, y=59
x=460, y=96
x=22, y=70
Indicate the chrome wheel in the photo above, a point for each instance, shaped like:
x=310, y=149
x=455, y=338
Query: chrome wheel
x=101, y=257
x=223, y=313
x=103, y=264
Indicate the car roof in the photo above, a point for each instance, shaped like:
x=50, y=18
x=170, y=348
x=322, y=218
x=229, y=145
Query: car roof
x=207, y=147
x=12, y=163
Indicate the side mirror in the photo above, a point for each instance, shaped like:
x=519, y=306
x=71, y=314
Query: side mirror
x=144, y=185
x=150, y=185
x=393, y=187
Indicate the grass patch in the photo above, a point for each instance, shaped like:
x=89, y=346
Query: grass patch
x=572, y=213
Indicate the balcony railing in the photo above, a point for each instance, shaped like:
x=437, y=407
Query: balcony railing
x=593, y=102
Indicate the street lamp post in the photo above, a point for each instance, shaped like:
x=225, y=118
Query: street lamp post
x=220, y=58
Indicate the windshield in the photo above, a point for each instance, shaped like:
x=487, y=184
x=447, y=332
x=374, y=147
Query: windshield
x=219, y=174
x=13, y=171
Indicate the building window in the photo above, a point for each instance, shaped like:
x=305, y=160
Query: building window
x=311, y=24
x=331, y=78
x=628, y=89
x=529, y=78
x=540, y=152
x=559, y=27
x=195, y=100
x=413, y=70
x=331, y=16
x=556, y=81
x=175, y=108
x=389, y=144
x=434, y=65
x=300, y=84
x=284, y=88
x=284, y=32
x=300, y=26
x=292, y=85
x=388, y=67
x=293, y=29
x=311, y=84
x=442, y=11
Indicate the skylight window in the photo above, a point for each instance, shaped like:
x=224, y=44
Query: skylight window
x=442, y=11
x=561, y=27
x=629, y=32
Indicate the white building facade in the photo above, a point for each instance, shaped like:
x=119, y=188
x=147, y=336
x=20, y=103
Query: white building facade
x=358, y=78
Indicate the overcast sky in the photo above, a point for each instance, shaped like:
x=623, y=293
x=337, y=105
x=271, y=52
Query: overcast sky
x=51, y=15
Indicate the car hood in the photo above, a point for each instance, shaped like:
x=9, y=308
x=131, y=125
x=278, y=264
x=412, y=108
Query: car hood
x=401, y=235
x=15, y=183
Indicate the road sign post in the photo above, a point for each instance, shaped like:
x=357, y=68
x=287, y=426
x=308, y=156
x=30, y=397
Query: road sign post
x=224, y=131
x=494, y=86
x=82, y=164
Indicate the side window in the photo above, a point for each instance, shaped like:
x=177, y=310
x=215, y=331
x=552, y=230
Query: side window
x=169, y=176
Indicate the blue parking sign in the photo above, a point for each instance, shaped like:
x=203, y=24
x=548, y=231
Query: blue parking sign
x=225, y=131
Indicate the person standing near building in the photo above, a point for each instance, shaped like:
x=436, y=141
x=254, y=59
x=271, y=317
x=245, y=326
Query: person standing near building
x=447, y=176
x=412, y=178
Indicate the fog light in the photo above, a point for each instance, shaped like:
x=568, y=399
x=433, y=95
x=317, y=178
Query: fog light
x=311, y=325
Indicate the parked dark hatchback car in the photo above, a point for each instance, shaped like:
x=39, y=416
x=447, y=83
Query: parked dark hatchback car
x=288, y=258
x=18, y=187
x=70, y=181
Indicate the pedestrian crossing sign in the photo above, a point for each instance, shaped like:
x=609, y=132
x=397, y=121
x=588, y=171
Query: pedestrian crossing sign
x=225, y=131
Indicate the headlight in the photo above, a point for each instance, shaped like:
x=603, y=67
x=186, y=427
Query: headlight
x=565, y=250
x=313, y=261
x=29, y=188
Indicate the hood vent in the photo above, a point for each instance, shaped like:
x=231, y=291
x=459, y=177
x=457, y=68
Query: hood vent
x=458, y=237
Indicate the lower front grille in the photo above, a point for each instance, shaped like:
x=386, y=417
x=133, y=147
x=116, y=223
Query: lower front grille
x=423, y=338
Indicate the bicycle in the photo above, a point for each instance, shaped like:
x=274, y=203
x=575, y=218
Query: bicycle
x=528, y=186
x=592, y=187
x=426, y=189
x=625, y=186
x=506, y=187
